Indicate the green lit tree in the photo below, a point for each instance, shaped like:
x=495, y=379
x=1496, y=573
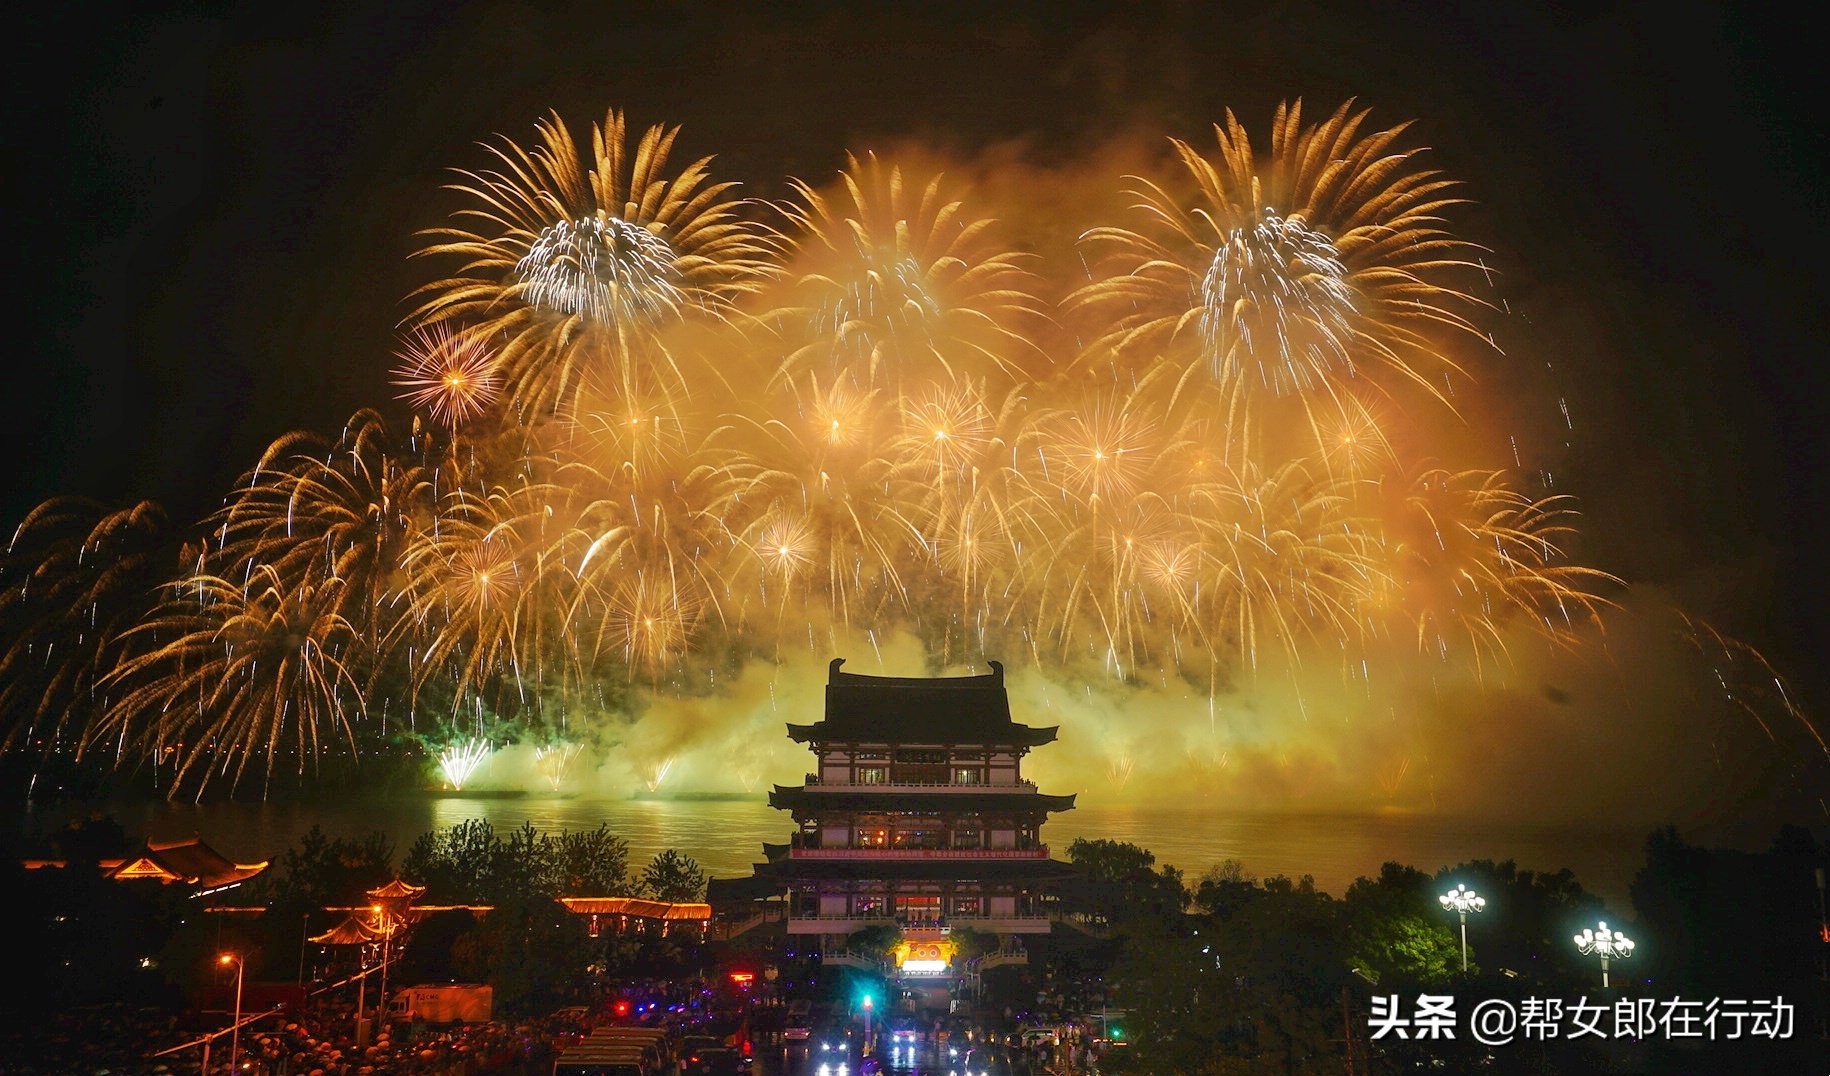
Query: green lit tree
x=672, y=876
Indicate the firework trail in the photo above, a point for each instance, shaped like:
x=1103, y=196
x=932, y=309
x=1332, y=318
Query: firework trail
x=72, y=579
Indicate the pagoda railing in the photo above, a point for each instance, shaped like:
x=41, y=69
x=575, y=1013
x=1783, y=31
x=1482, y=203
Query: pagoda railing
x=1039, y=852
x=814, y=783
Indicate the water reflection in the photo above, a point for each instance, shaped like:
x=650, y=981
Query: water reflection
x=725, y=835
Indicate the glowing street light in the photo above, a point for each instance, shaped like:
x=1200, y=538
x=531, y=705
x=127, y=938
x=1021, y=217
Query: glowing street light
x=225, y=960
x=1461, y=900
x=385, y=923
x=1605, y=943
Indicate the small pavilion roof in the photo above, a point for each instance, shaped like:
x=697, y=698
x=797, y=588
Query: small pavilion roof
x=352, y=931
x=397, y=890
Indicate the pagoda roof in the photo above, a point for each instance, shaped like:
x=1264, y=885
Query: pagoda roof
x=918, y=710
x=736, y=891
x=797, y=798
x=964, y=870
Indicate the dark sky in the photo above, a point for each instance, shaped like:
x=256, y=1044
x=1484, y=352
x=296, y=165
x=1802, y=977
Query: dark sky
x=212, y=206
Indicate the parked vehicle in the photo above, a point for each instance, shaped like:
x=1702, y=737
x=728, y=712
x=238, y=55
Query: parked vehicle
x=444, y=1003
x=904, y=1029
x=714, y=1061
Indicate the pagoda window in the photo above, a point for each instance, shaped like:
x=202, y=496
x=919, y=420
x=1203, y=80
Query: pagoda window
x=870, y=906
x=970, y=906
x=918, y=835
x=969, y=838
x=918, y=909
x=873, y=775
x=968, y=775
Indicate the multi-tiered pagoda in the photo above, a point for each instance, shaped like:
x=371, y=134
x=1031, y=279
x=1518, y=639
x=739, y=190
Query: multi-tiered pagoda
x=917, y=815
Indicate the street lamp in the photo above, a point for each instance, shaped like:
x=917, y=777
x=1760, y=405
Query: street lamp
x=1461, y=900
x=225, y=960
x=387, y=936
x=1605, y=943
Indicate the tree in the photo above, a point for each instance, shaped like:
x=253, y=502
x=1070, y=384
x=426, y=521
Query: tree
x=459, y=865
x=1397, y=931
x=969, y=944
x=1119, y=881
x=672, y=876
x=531, y=950
x=875, y=941
x=1530, y=918
x=1254, y=986
x=591, y=864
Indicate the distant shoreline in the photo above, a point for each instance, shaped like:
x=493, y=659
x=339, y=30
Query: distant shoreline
x=700, y=797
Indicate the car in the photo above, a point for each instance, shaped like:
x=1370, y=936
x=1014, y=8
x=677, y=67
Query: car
x=835, y=1050
x=692, y=1048
x=713, y=1061
x=798, y=1028
x=904, y=1028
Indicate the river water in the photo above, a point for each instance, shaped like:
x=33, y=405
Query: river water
x=725, y=835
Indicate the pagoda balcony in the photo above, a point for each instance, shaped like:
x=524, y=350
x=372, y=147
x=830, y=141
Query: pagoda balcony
x=815, y=784
x=854, y=922
x=873, y=853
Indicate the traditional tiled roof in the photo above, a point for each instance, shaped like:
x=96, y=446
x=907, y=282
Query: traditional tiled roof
x=636, y=906
x=725, y=892
x=397, y=890
x=919, y=710
x=797, y=798
x=352, y=931
x=188, y=861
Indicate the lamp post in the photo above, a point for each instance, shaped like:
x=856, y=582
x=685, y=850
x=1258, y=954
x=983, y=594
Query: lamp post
x=362, y=995
x=235, y=1027
x=386, y=925
x=1605, y=943
x=1461, y=900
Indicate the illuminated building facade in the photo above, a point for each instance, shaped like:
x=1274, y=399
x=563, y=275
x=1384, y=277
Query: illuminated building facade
x=917, y=816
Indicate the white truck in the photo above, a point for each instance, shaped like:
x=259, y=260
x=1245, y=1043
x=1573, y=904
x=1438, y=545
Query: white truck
x=444, y=1003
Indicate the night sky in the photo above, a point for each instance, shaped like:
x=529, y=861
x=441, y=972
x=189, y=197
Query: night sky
x=213, y=205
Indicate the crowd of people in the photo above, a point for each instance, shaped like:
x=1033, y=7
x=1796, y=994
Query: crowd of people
x=319, y=1038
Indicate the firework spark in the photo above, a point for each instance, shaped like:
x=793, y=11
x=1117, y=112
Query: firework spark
x=452, y=376
x=675, y=439
x=459, y=761
x=575, y=261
